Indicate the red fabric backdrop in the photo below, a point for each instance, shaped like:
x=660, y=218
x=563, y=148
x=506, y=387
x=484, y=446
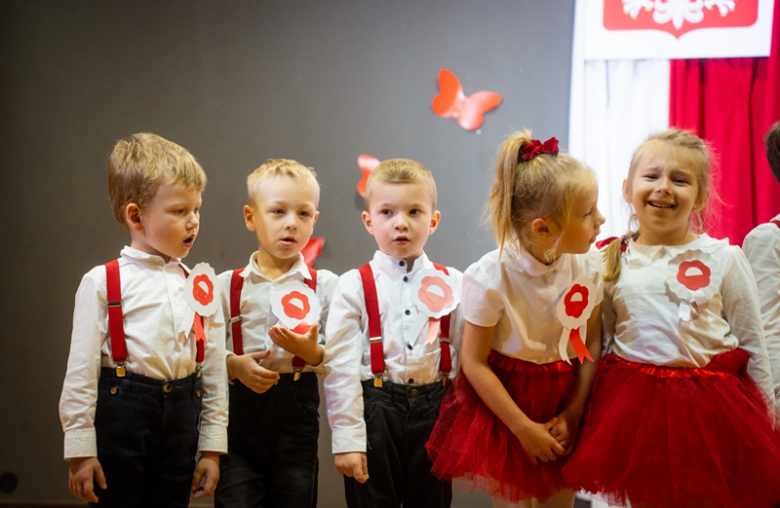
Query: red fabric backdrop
x=731, y=102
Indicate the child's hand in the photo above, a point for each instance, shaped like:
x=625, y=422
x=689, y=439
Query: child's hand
x=245, y=369
x=80, y=474
x=305, y=346
x=566, y=430
x=354, y=465
x=538, y=443
x=208, y=472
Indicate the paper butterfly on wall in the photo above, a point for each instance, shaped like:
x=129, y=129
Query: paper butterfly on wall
x=312, y=250
x=453, y=103
x=366, y=163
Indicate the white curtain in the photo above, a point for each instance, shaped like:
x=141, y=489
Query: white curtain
x=614, y=106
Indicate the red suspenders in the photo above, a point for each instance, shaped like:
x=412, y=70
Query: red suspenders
x=236, y=285
x=375, y=329
x=116, y=327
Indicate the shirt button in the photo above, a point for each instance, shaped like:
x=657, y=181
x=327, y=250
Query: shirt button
x=406, y=279
x=409, y=347
x=407, y=312
x=401, y=263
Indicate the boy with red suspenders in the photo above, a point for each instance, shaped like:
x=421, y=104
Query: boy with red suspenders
x=393, y=338
x=274, y=395
x=762, y=248
x=145, y=384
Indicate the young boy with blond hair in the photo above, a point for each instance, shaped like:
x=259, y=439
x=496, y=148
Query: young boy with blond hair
x=140, y=397
x=274, y=394
x=387, y=365
x=762, y=248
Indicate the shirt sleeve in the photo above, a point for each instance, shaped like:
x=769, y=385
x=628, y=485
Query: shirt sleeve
x=762, y=249
x=482, y=302
x=326, y=284
x=79, y=391
x=213, y=415
x=457, y=325
x=593, y=268
x=346, y=335
x=741, y=308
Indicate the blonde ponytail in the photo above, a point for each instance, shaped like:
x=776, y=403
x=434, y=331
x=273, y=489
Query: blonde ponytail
x=503, y=191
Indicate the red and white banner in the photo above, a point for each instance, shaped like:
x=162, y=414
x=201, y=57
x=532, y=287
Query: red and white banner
x=635, y=29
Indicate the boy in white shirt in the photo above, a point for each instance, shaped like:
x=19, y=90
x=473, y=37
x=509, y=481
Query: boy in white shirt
x=387, y=367
x=762, y=248
x=140, y=396
x=274, y=395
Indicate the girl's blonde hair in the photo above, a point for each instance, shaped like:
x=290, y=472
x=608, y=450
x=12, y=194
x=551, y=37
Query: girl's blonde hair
x=543, y=187
x=690, y=150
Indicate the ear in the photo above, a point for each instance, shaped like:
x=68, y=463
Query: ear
x=316, y=215
x=368, y=223
x=626, y=194
x=133, y=217
x=702, y=202
x=435, y=219
x=540, y=227
x=249, y=218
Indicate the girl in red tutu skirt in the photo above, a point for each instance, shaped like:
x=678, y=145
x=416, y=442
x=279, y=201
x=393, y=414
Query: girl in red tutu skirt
x=681, y=413
x=512, y=415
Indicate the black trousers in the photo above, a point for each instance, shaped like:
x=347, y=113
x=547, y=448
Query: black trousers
x=399, y=421
x=272, y=446
x=147, y=439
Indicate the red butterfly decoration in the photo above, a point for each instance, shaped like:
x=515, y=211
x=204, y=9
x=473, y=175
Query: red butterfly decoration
x=366, y=164
x=453, y=103
x=312, y=250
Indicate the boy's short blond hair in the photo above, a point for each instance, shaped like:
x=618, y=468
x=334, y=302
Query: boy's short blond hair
x=143, y=162
x=281, y=167
x=400, y=171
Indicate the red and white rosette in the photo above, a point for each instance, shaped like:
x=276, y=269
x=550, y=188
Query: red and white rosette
x=435, y=294
x=201, y=292
x=295, y=305
x=694, y=276
x=574, y=309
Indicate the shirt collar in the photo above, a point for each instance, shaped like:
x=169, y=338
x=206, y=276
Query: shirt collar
x=644, y=255
x=520, y=259
x=147, y=259
x=396, y=268
x=299, y=267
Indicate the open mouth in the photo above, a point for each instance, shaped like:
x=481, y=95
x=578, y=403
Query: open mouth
x=189, y=241
x=662, y=206
x=288, y=241
x=401, y=240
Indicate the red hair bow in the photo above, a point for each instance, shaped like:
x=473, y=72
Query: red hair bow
x=535, y=147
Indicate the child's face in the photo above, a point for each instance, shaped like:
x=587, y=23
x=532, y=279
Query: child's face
x=283, y=213
x=400, y=216
x=663, y=191
x=168, y=225
x=584, y=224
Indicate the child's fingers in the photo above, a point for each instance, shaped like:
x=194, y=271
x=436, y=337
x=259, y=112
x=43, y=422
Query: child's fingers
x=557, y=449
x=208, y=488
x=549, y=425
x=197, y=477
x=362, y=470
x=89, y=491
x=100, y=477
x=314, y=331
x=261, y=355
x=533, y=458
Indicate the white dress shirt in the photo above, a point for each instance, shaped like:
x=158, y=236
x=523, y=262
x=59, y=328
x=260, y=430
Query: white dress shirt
x=257, y=317
x=641, y=320
x=518, y=294
x=153, y=306
x=408, y=359
x=762, y=248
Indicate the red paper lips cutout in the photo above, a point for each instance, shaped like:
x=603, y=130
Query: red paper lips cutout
x=694, y=282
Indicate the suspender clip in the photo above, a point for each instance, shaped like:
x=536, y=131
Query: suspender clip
x=445, y=379
x=375, y=340
x=235, y=319
x=120, y=370
x=115, y=304
x=378, y=380
x=297, y=373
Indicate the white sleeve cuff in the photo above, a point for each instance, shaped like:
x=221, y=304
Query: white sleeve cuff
x=349, y=440
x=213, y=438
x=80, y=443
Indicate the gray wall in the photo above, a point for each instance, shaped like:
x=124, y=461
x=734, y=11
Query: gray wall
x=236, y=83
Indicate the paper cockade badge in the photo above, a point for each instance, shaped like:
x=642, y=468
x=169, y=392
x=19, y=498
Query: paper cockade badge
x=201, y=290
x=435, y=294
x=694, y=276
x=574, y=309
x=296, y=305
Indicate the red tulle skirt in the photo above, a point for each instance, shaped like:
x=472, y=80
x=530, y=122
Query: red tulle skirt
x=676, y=437
x=473, y=449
